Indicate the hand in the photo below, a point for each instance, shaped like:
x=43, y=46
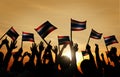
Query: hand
x=13, y=45
x=96, y=45
x=75, y=47
x=5, y=41
x=55, y=50
x=33, y=48
x=20, y=50
x=88, y=47
x=41, y=47
x=96, y=49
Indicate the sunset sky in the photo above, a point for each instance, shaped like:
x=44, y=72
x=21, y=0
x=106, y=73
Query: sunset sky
x=25, y=15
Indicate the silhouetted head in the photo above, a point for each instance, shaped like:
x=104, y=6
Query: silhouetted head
x=113, y=50
x=64, y=62
x=113, y=53
x=87, y=68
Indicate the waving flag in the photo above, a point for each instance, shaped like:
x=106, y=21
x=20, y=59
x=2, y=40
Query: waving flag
x=95, y=34
x=27, y=36
x=77, y=25
x=63, y=40
x=12, y=33
x=110, y=40
x=44, y=29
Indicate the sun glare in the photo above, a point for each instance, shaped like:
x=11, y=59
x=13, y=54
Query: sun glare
x=68, y=54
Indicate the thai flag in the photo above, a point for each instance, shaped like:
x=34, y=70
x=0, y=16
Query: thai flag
x=77, y=25
x=63, y=40
x=94, y=34
x=27, y=36
x=110, y=40
x=44, y=29
x=12, y=33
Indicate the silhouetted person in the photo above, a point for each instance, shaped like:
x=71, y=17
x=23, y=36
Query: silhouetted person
x=98, y=61
x=48, y=63
x=112, y=54
x=39, y=66
x=88, y=67
x=29, y=66
x=17, y=66
x=65, y=65
x=8, y=54
x=75, y=72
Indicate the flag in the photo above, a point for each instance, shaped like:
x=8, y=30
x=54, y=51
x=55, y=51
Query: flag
x=44, y=29
x=12, y=33
x=77, y=25
x=27, y=36
x=84, y=53
x=94, y=34
x=110, y=40
x=63, y=40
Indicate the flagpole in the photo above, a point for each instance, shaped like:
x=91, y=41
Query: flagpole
x=71, y=34
x=58, y=47
x=45, y=41
x=71, y=44
x=21, y=42
x=3, y=35
x=88, y=40
x=107, y=51
x=89, y=37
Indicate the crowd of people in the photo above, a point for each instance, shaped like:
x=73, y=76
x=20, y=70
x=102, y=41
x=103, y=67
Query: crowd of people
x=45, y=66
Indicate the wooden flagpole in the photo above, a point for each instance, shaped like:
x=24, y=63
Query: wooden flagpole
x=89, y=37
x=2, y=36
x=21, y=42
x=88, y=40
x=71, y=34
x=107, y=51
x=47, y=43
x=58, y=47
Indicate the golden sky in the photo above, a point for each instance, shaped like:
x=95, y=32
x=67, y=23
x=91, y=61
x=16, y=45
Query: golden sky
x=25, y=15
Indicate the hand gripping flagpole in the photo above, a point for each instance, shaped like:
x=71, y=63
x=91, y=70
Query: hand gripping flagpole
x=47, y=43
x=107, y=52
x=89, y=37
x=87, y=44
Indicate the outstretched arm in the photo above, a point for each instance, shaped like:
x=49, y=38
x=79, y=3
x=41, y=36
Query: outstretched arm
x=9, y=52
x=5, y=41
x=97, y=56
x=34, y=51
